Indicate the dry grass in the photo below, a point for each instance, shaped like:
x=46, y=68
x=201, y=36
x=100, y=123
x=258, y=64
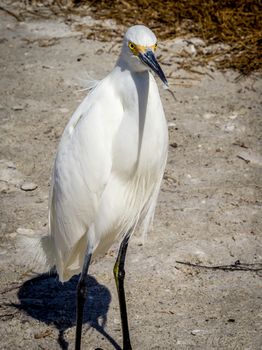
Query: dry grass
x=237, y=23
x=233, y=22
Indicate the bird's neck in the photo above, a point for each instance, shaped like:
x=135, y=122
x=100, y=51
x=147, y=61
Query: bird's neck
x=130, y=83
x=125, y=71
x=133, y=65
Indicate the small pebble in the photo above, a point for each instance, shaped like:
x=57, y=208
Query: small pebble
x=208, y=115
x=25, y=231
x=229, y=127
x=174, y=145
x=197, y=331
x=171, y=125
x=234, y=115
x=28, y=186
x=18, y=108
x=99, y=52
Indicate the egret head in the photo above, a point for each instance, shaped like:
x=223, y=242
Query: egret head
x=139, y=49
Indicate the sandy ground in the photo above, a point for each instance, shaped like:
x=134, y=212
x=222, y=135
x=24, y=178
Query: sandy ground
x=209, y=209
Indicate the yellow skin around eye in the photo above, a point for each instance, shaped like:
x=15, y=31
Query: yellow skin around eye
x=136, y=49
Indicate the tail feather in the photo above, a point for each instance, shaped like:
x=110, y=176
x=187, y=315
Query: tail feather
x=35, y=251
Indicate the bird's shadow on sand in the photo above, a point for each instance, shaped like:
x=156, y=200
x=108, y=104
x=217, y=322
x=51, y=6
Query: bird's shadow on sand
x=52, y=302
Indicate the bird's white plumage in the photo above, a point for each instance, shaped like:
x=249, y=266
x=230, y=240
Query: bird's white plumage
x=140, y=35
x=109, y=163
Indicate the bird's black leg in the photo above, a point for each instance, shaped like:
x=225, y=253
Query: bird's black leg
x=119, y=273
x=81, y=298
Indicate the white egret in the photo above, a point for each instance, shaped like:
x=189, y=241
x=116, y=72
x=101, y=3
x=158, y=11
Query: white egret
x=108, y=169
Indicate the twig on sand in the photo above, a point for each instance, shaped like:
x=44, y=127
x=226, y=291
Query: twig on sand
x=10, y=289
x=237, y=266
x=18, y=17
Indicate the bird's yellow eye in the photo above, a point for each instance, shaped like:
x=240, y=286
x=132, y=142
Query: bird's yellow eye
x=131, y=46
x=155, y=46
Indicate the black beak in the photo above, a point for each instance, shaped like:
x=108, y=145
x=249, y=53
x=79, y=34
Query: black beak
x=150, y=60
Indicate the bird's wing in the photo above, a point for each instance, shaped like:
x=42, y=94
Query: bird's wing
x=81, y=171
